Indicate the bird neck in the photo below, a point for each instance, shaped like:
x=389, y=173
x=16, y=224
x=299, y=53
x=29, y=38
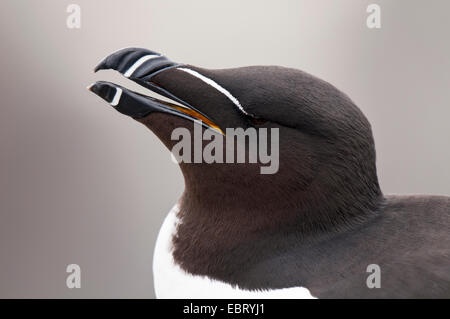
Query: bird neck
x=258, y=209
x=229, y=234
x=231, y=212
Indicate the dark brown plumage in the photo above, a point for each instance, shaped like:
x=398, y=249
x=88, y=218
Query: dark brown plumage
x=322, y=218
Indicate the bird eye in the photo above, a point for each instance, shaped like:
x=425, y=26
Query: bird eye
x=257, y=121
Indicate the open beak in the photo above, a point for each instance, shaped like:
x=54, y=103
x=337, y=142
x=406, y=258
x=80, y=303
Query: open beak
x=141, y=65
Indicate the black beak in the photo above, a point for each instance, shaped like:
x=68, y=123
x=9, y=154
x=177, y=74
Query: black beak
x=140, y=65
x=131, y=103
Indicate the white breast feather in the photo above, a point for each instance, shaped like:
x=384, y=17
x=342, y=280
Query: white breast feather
x=173, y=282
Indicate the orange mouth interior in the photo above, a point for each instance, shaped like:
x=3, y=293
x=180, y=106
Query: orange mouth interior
x=194, y=114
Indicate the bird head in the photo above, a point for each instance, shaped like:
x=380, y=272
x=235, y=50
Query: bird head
x=320, y=146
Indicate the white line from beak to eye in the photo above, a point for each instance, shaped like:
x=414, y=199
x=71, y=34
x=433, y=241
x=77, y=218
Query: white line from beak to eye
x=138, y=63
x=216, y=86
x=117, y=96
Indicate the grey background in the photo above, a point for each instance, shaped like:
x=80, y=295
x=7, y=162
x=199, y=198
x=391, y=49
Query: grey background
x=80, y=183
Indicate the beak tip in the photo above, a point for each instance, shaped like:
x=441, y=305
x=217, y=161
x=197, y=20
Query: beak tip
x=101, y=66
x=96, y=88
x=89, y=87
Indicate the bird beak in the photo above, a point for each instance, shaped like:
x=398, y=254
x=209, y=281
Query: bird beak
x=140, y=66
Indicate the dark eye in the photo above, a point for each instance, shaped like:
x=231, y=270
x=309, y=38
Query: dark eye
x=257, y=121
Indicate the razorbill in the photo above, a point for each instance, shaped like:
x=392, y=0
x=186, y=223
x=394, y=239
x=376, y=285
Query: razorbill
x=312, y=229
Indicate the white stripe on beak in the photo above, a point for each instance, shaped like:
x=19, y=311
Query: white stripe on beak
x=117, y=96
x=138, y=63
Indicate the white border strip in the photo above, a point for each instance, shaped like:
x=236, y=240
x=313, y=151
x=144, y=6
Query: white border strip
x=216, y=86
x=138, y=63
x=117, y=96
